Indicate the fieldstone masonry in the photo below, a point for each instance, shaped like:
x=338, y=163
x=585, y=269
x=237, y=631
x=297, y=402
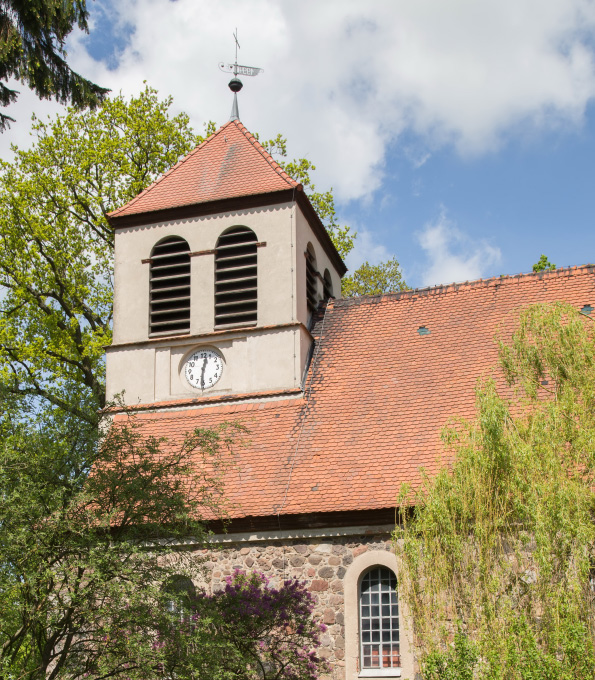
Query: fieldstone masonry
x=321, y=562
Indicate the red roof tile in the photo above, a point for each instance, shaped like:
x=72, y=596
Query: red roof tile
x=377, y=395
x=229, y=164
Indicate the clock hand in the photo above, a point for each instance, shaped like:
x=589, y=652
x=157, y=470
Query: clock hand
x=202, y=374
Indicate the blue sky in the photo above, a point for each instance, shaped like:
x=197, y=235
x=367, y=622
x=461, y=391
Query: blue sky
x=458, y=136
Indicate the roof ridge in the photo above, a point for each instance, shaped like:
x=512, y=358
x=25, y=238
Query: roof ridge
x=266, y=155
x=456, y=286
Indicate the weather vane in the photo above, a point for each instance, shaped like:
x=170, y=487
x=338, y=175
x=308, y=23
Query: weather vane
x=235, y=84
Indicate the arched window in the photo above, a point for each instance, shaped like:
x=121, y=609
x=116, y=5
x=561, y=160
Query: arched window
x=328, y=285
x=179, y=591
x=379, y=619
x=170, y=287
x=311, y=276
x=235, y=278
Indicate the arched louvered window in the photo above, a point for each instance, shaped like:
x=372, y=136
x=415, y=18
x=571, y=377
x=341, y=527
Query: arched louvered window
x=311, y=276
x=328, y=285
x=379, y=619
x=235, y=278
x=170, y=287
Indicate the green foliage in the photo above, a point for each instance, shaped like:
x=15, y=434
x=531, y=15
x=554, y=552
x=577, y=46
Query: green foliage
x=502, y=541
x=374, y=279
x=56, y=246
x=90, y=511
x=84, y=558
x=252, y=629
x=457, y=663
x=543, y=264
x=32, y=51
x=367, y=279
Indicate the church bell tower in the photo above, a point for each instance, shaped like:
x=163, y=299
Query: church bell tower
x=219, y=266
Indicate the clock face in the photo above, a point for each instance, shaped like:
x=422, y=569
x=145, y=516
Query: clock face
x=203, y=368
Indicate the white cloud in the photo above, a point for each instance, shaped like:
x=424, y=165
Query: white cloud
x=344, y=78
x=19, y=132
x=452, y=255
x=366, y=249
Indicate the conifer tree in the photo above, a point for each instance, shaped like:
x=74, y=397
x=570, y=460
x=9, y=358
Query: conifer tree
x=32, y=38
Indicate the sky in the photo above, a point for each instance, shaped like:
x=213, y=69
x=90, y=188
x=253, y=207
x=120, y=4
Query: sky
x=458, y=137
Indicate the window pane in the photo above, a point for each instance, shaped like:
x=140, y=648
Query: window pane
x=379, y=619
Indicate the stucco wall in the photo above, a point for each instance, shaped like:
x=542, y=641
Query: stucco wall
x=273, y=225
x=256, y=359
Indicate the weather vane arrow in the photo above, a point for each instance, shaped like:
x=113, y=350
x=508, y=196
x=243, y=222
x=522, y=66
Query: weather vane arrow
x=236, y=69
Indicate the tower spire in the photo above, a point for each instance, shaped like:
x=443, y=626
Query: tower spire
x=235, y=84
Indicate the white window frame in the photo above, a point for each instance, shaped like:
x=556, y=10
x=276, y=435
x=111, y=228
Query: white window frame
x=386, y=594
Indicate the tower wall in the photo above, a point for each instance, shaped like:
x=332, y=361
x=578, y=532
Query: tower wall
x=267, y=357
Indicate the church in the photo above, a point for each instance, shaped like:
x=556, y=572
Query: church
x=228, y=308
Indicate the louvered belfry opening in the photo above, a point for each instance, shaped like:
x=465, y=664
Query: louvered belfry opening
x=311, y=275
x=235, y=278
x=170, y=287
x=328, y=285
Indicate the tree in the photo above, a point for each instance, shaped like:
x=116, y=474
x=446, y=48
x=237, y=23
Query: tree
x=86, y=563
x=253, y=631
x=89, y=512
x=543, y=265
x=56, y=246
x=374, y=279
x=33, y=37
x=84, y=558
x=498, y=549
x=367, y=279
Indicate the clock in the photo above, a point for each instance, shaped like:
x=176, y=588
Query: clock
x=203, y=368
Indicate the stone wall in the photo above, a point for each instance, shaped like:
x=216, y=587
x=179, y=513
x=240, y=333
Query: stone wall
x=320, y=562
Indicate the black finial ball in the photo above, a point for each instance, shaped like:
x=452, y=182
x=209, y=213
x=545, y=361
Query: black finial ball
x=235, y=85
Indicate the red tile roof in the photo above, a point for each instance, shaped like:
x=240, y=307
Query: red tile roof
x=229, y=164
x=377, y=395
